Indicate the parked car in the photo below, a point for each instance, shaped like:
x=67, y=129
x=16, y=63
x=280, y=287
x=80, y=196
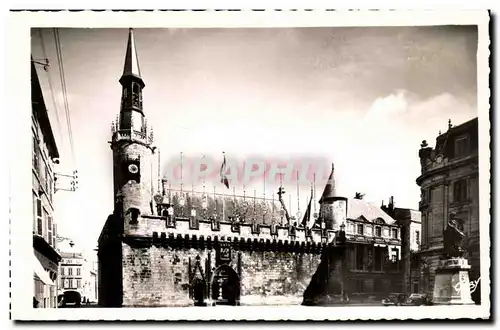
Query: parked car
x=70, y=299
x=417, y=299
x=394, y=299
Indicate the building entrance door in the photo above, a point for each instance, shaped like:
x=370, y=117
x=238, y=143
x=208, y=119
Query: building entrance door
x=225, y=286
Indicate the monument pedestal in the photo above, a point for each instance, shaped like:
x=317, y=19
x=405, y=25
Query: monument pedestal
x=451, y=285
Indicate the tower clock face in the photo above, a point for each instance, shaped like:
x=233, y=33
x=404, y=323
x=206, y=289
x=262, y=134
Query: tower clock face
x=132, y=168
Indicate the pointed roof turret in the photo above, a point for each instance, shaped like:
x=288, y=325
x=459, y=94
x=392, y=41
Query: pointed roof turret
x=131, y=66
x=330, y=190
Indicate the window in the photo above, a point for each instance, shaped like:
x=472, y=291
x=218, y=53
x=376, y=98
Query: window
x=415, y=287
x=39, y=222
x=50, y=239
x=54, y=234
x=70, y=283
x=34, y=211
x=49, y=185
x=78, y=283
x=460, y=190
x=394, y=255
x=70, y=271
x=394, y=233
x=360, y=229
x=62, y=271
x=360, y=257
x=78, y=270
x=461, y=146
x=378, y=231
x=135, y=95
x=36, y=155
x=378, y=259
x=47, y=180
x=45, y=220
x=417, y=237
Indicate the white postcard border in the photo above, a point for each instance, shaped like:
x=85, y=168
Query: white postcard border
x=19, y=131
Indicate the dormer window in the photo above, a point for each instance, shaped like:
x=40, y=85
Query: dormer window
x=461, y=146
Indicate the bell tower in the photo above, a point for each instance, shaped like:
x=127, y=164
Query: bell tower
x=132, y=145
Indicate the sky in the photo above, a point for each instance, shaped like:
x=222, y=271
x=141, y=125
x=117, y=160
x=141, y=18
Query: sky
x=363, y=98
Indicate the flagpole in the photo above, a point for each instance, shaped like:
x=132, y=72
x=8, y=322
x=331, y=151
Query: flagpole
x=314, y=191
x=159, y=179
x=204, y=199
x=298, y=196
x=182, y=194
x=223, y=208
x=290, y=204
x=254, y=210
x=215, y=203
x=181, y=173
x=264, y=196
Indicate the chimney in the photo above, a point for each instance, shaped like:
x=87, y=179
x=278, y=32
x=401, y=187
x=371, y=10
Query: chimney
x=391, y=203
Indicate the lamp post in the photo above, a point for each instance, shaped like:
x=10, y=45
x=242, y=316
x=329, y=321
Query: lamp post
x=341, y=241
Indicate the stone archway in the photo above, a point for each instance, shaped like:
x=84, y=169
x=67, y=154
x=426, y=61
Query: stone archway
x=225, y=286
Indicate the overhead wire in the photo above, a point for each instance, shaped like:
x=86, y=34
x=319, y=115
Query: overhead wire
x=51, y=88
x=64, y=91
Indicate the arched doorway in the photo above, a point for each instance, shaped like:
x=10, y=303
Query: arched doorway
x=199, y=292
x=225, y=286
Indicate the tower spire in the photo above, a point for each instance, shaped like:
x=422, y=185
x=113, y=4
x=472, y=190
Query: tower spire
x=131, y=66
x=330, y=188
x=131, y=112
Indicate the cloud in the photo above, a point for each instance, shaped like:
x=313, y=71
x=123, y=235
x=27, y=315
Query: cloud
x=404, y=108
x=390, y=105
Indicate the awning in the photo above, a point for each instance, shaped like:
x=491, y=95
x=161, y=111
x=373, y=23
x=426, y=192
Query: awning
x=40, y=272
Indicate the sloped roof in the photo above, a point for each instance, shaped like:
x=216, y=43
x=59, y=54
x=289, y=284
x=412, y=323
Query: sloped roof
x=358, y=207
x=131, y=66
x=330, y=189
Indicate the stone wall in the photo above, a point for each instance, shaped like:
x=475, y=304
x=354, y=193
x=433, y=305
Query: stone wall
x=268, y=276
x=161, y=275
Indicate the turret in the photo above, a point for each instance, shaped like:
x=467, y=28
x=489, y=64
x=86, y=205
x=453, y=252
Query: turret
x=131, y=145
x=333, y=208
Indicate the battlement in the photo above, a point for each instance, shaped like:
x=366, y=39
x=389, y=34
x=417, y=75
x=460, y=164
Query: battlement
x=127, y=134
x=193, y=231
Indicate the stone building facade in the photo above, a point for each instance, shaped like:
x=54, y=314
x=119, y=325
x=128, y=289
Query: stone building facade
x=373, y=264
x=76, y=271
x=44, y=155
x=180, y=249
x=449, y=187
x=410, y=222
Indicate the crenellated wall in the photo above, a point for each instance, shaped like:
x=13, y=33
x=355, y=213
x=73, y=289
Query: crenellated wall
x=148, y=225
x=161, y=272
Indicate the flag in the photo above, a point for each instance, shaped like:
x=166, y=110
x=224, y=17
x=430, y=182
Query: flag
x=223, y=176
x=306, y=220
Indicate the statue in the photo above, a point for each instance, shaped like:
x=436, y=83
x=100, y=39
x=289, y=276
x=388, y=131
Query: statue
x=453, y=238
x=451, y=283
